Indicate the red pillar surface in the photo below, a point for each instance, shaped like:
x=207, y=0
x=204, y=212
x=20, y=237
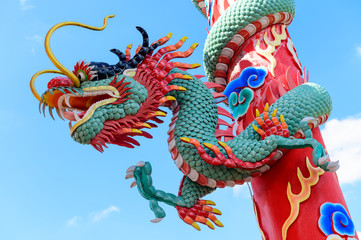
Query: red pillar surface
x=273, y=205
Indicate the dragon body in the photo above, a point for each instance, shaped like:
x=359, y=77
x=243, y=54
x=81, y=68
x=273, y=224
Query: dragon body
x=251, y=66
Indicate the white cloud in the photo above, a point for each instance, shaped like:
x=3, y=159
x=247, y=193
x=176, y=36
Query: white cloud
x=25, y=5
x=358, y=50
x=74, y=221
x=343, y=142
x=358, y=234
x=105, y=213
x=36, y=38
x=241, y=191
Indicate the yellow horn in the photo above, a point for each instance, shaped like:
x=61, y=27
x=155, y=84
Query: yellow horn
x=32, y=81
x=57, y=64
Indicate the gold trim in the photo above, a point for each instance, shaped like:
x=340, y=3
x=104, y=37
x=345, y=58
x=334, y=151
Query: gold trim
x=305, y=193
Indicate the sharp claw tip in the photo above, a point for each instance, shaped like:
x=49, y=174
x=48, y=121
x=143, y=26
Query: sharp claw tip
x=130, y=169
x=140, y=164
x=156, y=220
x=129, y=175
x=133, y=184
x=219, y=224
x=195, y=225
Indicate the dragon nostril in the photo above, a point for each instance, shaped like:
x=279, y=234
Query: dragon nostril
x=60, y=82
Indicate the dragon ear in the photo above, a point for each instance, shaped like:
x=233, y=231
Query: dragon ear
x=130, y=72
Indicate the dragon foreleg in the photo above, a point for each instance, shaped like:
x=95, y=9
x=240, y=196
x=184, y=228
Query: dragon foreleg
x=190, y=207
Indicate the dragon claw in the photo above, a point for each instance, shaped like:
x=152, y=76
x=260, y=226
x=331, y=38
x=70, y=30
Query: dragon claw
x=140, y=164
x=130, y=169
x=129, y=175
x=202, y=213
x=156, y=220
x=206, y=202
x=323, y=160
x=333, y=166
x=133, y=184
x=273, y=126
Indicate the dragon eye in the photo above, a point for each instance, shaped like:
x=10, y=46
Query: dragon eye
x=82, y=76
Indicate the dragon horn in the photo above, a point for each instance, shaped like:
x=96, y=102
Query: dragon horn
x=51, y=56
x=32, y=81
x=57, y=64
x=144, y=35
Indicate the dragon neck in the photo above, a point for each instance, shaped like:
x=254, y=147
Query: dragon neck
x=195, y=113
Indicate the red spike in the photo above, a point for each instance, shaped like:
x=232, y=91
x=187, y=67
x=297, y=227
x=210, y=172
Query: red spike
x=138, y=49
x=224, y=123
x=199, y=76
x=185, y=65
x=222, y=111
x=240, y=127
x=147, y=135
x=219, y=97
x=284, y=81
x=171, y=88
x=169, y=67
x=162, y=40
x=216, y=14
x=167, y=49
x=290, y=80
x=281, y=89
x=185, y=54
x=249, y=116
x=300, y=79
x=270, y=96
x=127, y=52
x=212, y=84
x=223, y=133
x=113, y=81
x=226, y=4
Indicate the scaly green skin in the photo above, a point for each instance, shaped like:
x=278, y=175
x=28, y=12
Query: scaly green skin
x=197, y=119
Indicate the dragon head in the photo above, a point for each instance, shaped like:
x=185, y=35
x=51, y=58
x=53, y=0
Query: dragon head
x=110, y=104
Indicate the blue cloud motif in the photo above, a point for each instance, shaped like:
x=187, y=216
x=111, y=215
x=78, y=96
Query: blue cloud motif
x=335, y=220
x=252, y=77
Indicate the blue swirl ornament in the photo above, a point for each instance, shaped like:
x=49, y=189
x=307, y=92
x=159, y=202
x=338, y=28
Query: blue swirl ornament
x=334, y=219
x=252, y=77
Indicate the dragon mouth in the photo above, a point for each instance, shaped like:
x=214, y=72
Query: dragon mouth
x=78, y=107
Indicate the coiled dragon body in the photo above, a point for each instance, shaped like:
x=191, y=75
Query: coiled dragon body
x=112, y=106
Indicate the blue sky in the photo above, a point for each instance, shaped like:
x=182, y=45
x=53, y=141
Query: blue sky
x=54, y=188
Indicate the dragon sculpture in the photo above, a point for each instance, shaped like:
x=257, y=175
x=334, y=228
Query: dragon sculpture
x=251, y=66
